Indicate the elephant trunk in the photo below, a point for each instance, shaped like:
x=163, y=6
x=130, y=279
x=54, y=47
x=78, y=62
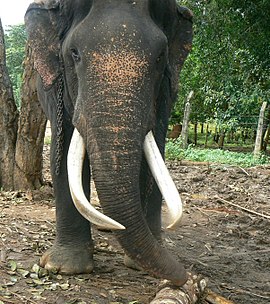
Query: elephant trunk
x=117, y=182
x=116, y=158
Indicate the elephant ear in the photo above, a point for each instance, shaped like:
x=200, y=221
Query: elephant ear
x=176, y=23
x=180, y=43
x=41, y=20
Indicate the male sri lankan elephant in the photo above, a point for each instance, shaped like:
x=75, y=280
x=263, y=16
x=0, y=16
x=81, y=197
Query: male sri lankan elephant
x=108, y=78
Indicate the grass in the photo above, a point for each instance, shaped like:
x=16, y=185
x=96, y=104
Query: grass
x=175, y=152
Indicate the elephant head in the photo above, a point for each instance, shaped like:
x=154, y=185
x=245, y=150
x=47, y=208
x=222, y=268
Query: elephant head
x=120, y=62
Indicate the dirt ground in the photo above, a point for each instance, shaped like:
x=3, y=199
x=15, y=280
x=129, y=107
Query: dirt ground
x=226, y=244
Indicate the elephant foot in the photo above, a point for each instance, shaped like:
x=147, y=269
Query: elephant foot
x=131, y=264
x=68, y=260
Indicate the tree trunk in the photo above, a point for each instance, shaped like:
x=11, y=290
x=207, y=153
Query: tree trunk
x=202, y=128
x=195, y=133
x=189, y=293
x=221, y=139
x=266, y=133
x=184, y=132
x=216, y=134
x=206, y=136
x=258, y=142
x=31, y=131
x=8, y=121
x=266, y=138
x=265, y=125
x=243, y=136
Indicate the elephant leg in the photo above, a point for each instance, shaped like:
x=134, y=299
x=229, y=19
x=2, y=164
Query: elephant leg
x=72, y=251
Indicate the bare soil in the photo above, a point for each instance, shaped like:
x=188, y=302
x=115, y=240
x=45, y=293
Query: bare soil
x=226, y=244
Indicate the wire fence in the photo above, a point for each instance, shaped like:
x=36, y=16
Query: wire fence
x=238, y=132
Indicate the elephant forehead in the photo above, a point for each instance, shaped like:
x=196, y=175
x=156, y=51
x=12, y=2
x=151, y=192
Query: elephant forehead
x=119, y=67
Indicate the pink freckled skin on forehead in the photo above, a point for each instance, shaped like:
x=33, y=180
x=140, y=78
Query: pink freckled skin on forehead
x=119, y=68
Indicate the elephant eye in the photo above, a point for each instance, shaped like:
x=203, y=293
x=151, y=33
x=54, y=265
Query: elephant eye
x=160, y=57
x=75, y=55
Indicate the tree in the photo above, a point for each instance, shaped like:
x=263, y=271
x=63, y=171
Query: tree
x=228, y=68
x=259, y=136
x=8, y=121
x=15, y=41
x=31, y=129
x=21, y=133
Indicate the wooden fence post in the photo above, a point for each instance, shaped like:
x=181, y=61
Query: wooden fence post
x=258, y=142
x=184, y=132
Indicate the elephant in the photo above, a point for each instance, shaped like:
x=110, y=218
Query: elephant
x=108, y=73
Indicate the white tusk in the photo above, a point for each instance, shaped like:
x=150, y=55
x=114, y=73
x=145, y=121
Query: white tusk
x=163, y=179
x=76, y=154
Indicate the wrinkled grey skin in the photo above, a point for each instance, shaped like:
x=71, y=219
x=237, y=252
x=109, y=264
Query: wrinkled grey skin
x=119, y=61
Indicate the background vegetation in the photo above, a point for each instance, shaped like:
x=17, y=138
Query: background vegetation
x=228, y=70
x=229, y=66
x=15, y=40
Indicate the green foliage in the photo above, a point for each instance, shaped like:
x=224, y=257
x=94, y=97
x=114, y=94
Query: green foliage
x=174, y=152
x=229, y=66
x=15, y=40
